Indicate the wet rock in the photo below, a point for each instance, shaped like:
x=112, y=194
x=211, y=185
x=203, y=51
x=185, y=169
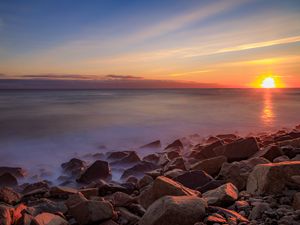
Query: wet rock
x=211, y=166
x=183, y=210
x=238, y=172
x=26, y=219
x=112, y=187
x=129, y=159
x=296, y=201
x=271, y=178
x=74, y=166
x=9, y=196
x=7, y=179
x=223, y=195
x=163, y=186
x=238, y=150
x=154, y=144
x=98, y=170
x=87, y=211
x=48, y=219
x=172, y=155
x=194, y=178
x=5, y=215
x=139, y=169
x=136, y=209
x=270, y=153
x=15, y=171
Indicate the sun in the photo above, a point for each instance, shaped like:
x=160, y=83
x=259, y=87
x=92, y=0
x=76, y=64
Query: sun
x=268, y=82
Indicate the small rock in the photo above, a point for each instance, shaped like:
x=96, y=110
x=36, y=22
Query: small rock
x=193, y=179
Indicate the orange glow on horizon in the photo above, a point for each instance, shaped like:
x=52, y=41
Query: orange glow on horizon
x=268, y=81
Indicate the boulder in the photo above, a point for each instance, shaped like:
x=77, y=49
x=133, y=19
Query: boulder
x=176, y=144
x=126, y=217
x=210, y=185
x=62, y=192
x=9, y=180
x=238, y=150
x=271, y=178
x=153, y=158
x=98, y=170
x=139, y=169
x=258, y=210
x=144, y=181
x=206, y=151
x=230, y=215
x=15, y=171
x=48, y=219
x=87, y=211
x=154, y=144
x=215, y=219
x=9, y=196
x=237, y=172
x=176, y=163
x=193, y=179
x=294, y=143
x=282, y=158
x=89, y=192
x=223, y=195
x=163, y=186
x=129, y=159
x=5, y=215
x=74, y=166
x=270, y=152
x=183, y=210
x=211, y=166
x=119, y=199
x=174, y=173
x=49, y=206
x=296, y=201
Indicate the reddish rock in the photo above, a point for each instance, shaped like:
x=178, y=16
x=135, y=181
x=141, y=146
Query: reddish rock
x=163, y=186
x=74, y=166
x=193, y=179
x=62, y=192
x=215, y=219
x=89, y=192
x=176, y=163
x=223, y=195
x=8, y=179
x=120, y=199
x=48, y=219
x=5, y=215
x=270, y=153
x=9, y=196
x=271, y=178
x=210, y=185
x=211, y=166
x=206, y=151
x=228, y=214
x=98, y=170
x=238, y=150
x=183, y=210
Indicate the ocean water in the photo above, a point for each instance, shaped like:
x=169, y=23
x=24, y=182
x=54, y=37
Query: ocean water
x=40, y=129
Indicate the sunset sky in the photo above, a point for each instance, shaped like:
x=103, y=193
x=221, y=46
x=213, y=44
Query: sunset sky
x=214, y=43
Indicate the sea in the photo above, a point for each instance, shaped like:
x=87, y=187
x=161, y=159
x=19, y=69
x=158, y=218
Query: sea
x=40, y=129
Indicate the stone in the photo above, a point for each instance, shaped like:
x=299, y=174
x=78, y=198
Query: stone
x=89, y=192
x=270, y=152
x=230, y=215
x=116, y=155
x=48, y=219
x=194, y=178
x=87, y=211
x=144, y=181
x=154, y=144
x=109, y=222
x=258, y=210
x=237, y=172
x=129, y=159
x=98, y=170
x=139, y=169
x=271, y=178
x=26, y=219
x=206, y=151
x=211, y=166
x=215, y=219
x=223, y=195
x=120, y=199
x=177, y=143
x=5, y=215
x=9, y=180
x=294, y=143
x=183, y=210
x=238, y=150
x=211, y=185
x=9, y=196
x=282, y=158
x=176, y=163
x=174, y=173
x=15, y=171
x=296, y=201
x=46, y=205
x=163, y=186
x=126, y=217
x=152, y=158
x=62, y=192
x=74, y=166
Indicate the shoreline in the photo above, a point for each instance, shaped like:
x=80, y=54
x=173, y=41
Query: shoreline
x=223, y=172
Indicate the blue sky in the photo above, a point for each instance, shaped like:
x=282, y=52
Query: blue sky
x=228, y=42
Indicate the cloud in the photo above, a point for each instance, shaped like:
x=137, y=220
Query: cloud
x=61, y=76
x=123, y=77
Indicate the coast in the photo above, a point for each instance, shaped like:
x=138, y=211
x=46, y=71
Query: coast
x=222, y=179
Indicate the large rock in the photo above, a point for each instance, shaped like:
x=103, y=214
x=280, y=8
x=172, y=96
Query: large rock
x=15, y=171
x=98, y=170
x=47, y=205
x=176, y=163
x=211, y=166
x=163, y=186
x=176, y=144
x=205, y=151
x=238, y=172
x=270, y=153
x=230, y=215
x=87, y=211
x=175, y=210
x=238, y=150
x=9, y=196
x=48, y=219
x=154, y=144
x=8, y=179
x=5, y=215
x=271, y=178
x=129, y=159
x=223, y=195
x=74, y=166
x=194, y=178
x=139, y=169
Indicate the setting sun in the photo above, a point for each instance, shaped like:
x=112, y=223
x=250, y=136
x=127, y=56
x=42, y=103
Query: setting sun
x=268, y=82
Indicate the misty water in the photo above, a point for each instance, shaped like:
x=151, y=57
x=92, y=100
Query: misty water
x=40, y=129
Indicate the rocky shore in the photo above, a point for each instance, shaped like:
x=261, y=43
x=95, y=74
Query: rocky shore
x=224, y=179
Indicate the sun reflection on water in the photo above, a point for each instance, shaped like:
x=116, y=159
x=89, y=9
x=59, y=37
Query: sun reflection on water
x=267, y=114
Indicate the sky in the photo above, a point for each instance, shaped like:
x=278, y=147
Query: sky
x=207, y=43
